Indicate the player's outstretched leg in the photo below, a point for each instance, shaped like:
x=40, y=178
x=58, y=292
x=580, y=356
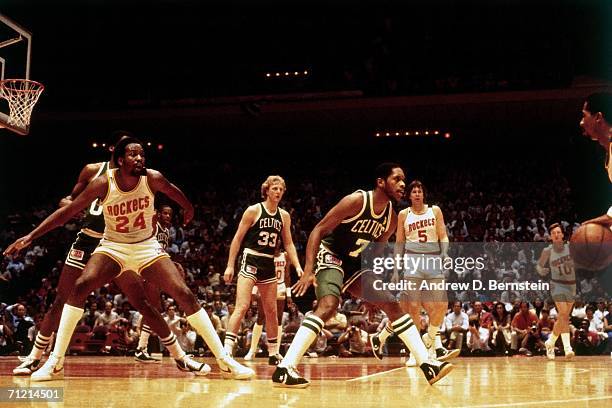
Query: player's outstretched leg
x=68, y=277
x=99, y=270
x=164, y=274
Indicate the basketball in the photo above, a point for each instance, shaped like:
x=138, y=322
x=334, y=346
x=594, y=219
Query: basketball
x=591, y=247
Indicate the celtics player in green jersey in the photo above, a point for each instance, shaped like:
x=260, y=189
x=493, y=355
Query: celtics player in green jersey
x=262, y=227
x=333, y=265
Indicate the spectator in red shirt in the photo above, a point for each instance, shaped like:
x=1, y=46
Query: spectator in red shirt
x=485, y=318
x=524, y=329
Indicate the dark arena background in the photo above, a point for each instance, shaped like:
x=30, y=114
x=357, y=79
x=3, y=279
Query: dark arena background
x=479, y=100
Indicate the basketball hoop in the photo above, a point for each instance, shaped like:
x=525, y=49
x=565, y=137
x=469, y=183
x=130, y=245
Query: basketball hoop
x=22, y=95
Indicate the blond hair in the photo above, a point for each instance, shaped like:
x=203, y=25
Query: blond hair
x=269, y=182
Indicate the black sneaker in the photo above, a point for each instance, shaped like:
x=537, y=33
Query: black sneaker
x=376, y=347
x=443, y=354
x=288, y=377
x=275, y=359
x=143, y=357
x=435, y=372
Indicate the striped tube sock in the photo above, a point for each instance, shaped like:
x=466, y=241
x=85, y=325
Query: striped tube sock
x=230, y=340
x=40, y=345
x=202, y=324
x=272, y=347
x=143, y=341
x=404, y=329
x=257, y=329
x=170, y=342
x=306, y=334
x=385, y=333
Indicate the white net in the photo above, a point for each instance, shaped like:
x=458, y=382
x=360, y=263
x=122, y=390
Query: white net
x=22, y=95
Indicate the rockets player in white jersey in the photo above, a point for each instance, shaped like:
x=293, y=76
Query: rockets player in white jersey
x=283, y=291
x=421, y=231
x=562, y=287
x=128, y=246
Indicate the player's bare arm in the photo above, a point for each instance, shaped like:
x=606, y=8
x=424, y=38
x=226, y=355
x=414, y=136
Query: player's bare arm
x=87, y=173
x=540, y=266
x=96, y=189
x=288, y=242
x=159, y=183
x=441, y=231
x=248, y=219
x=605, y=220
x=349, y=206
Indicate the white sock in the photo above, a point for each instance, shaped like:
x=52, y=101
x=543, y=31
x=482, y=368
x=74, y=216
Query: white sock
x=201, y=322
x=404, y=328
x=40, y=345
x=170, y=342
x=385, y=333
x=438, y=341
x=280, y=336
x=272, y=347
x=306, y=334
x=552, y=339
x=565, y=338
x=143, y=341
x=70, y=317
x=230, y=341
x=257, y=329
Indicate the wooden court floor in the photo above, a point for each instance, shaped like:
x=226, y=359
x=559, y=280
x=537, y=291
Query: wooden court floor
x=475, y=382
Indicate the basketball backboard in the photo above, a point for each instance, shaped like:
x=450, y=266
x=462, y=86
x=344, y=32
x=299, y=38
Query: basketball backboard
x=15, y=56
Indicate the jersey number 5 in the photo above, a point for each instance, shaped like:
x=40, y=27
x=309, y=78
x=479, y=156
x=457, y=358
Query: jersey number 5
x=267, y=239
x=122, y=222
x=422, y=236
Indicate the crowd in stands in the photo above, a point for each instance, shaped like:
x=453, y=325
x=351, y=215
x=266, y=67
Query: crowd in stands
x=490, y=207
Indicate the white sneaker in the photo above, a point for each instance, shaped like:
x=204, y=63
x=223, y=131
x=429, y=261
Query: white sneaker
x=249, y=356
x=53, y=369
x=230, y=368
x=569, y=354
x=411, y=361
x=550, y=350
x=188, y=364
x=27, y=367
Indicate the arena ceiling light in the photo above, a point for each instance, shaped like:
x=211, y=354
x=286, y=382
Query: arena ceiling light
x=411, y=132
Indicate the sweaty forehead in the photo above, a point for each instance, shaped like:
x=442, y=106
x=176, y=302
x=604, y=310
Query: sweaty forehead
x=133, y=147
x=398, y=172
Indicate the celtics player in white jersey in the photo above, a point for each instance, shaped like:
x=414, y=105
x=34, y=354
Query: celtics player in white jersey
x=262, y=227
x=127, y=249
x=334, y=265
x=283, y=282
x=562, y=287
x=421, y=231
